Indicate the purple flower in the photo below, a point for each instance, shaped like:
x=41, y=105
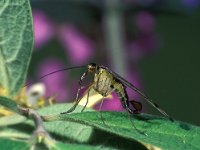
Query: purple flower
x=55, y=83
x=145, y=22
x=78, y=46
x=191, y=3
x=144, y=44
x=43, y=28
x=134, y=78
x=113, y=104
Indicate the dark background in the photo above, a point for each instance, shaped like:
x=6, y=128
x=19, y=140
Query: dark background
x=173, y=74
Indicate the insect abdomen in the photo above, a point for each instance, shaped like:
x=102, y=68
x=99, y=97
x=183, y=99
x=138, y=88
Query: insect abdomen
x=121, y=92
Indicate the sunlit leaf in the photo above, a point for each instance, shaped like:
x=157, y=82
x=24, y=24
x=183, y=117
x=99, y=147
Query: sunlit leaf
x=5, y=112
x=13, y=133
x=67, y=130
x=3, y=91
x=82, y=127
x=159, y=131
x=12, y=120
x=16, y=42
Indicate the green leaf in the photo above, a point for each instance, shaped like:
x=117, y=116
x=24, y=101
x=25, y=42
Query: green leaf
x=8, y=144
x=16, y=42
x=8, y=103
x=12, y=120
x=13, y=133
x=66, y=130
x=160, y=132
x=62, y=146
x=58, y=108
x=88, y=128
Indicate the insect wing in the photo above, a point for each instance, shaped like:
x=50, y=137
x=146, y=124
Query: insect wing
x=126, y=83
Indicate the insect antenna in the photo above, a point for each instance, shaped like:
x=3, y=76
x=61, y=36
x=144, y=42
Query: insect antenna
x=56, y=71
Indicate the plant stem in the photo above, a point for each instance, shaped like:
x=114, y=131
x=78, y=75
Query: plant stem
x=114, y=34
x=40, y=134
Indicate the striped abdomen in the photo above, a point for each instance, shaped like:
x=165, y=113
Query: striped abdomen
x=121, y=93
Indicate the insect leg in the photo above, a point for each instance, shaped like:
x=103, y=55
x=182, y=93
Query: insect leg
x=138, y=108
x=129, y=115
x=88, y=94
x=77, y=95
x=101, y=104
x=123, y=96
x=75, y=104
x=125, y=105
x=72, y=108
x=80, y=85
x=120, y=89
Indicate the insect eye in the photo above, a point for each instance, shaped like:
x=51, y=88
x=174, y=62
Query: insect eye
x=92, y=67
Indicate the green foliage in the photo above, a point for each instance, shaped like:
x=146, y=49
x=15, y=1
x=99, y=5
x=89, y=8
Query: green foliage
x=88, y=128
x=16, y=145
x=68, y=130
x=61, y=146
x=10, y=120
x=8, y=103
x=159, y=131
x=16, y=42
x=13, y=144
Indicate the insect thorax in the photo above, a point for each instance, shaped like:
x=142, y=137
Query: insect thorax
x=105, y=83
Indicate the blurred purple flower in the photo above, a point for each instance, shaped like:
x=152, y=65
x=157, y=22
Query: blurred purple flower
x=146, y=41
x=143, y=45
x=113, y=104
x=134, y=78
x=145, y=22
x=78, y=46
x=55, y=83
x=191, y=3
x=43, y=28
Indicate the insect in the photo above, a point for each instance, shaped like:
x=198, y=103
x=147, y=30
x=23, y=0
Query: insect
x=107, y=81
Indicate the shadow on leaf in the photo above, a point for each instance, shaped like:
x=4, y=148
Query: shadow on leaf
x=106, y=139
